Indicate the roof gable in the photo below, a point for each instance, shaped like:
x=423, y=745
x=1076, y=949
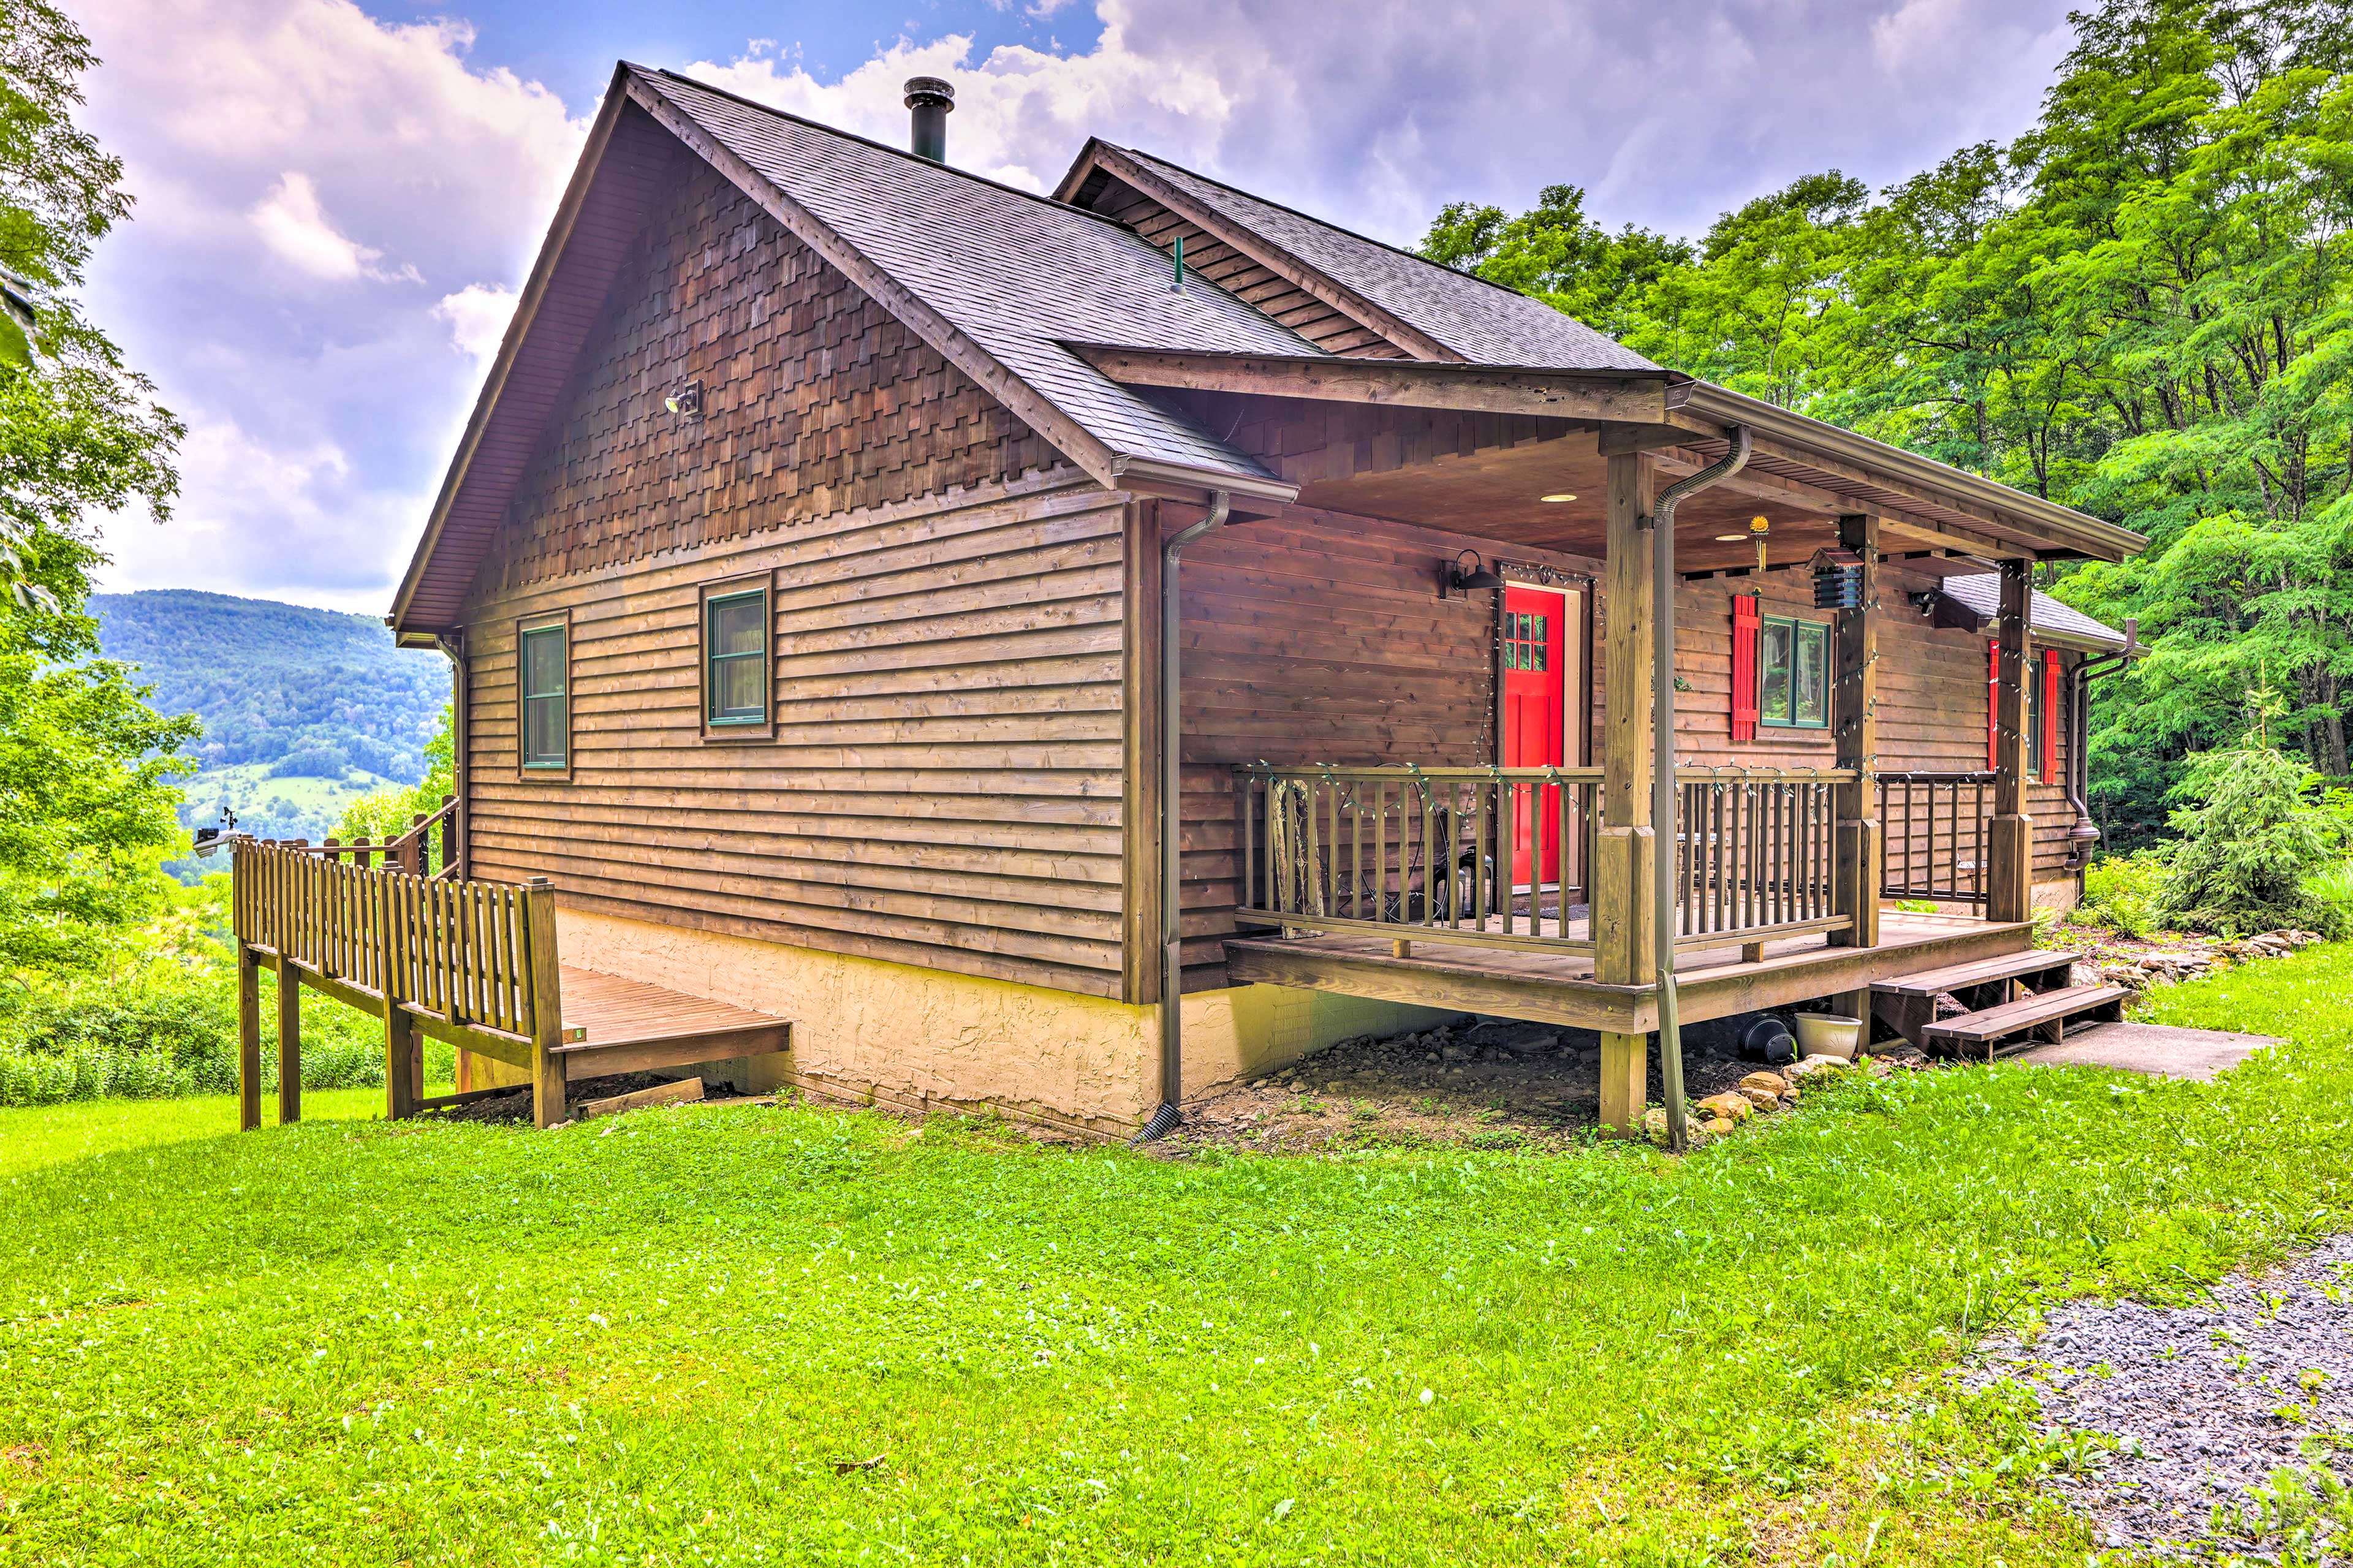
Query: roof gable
x=1435, y=311
x=993, y=279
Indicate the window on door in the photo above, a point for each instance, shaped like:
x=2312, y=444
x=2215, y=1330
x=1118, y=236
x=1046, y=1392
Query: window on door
x=1527, y=641
x=1793, y=673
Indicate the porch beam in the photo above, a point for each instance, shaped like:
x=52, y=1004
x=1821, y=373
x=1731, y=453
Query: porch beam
x=1854, y=698
x=2010, y=876
x=1401, y=383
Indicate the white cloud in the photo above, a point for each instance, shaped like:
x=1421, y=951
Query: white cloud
x=293, y=225
x=285, y=151
x=477, y=316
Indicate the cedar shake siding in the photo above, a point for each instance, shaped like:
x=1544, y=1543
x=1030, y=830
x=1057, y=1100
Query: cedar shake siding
x=942, y=784
x=816, y=401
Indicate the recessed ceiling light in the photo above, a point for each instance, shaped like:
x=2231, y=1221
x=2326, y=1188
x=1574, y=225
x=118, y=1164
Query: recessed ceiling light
x=1558, y=496
x=1730, y=538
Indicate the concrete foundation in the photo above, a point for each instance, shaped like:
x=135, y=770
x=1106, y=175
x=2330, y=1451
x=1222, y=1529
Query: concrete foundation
x=895, y=1033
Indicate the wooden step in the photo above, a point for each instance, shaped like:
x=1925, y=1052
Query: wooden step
x=1982, y=972
x=2044, y=1007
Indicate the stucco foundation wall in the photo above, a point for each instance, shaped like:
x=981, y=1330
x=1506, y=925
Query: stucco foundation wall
x=915, y=1037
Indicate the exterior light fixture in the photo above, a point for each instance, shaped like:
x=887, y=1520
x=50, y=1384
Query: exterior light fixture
x=1456, y=578
x=685, y=399
x=1558, y=496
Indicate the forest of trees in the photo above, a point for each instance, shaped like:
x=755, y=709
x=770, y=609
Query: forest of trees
x=313, y=693
x=2141, y=308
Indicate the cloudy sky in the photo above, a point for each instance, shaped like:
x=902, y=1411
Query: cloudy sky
x=337, y=202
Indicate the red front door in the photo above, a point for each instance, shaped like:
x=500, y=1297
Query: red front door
x=1536, y=721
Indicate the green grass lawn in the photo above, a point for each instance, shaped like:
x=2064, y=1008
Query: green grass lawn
x=661, y=1339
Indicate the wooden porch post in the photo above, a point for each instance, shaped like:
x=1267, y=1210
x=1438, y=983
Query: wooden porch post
x=290, y=1044
x=1623, y=921
x=547, y=1083
x=1854, y=700
x=2010, y=877
x=249, y=1038
x=401, y=1089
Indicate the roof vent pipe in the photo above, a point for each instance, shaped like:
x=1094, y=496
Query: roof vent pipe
x=931, y=100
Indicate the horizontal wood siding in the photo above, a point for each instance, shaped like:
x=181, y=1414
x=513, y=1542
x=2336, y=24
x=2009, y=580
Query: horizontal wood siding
x=943, y=786
x=1318, y=637
x=815, y=401
x=1932, y=693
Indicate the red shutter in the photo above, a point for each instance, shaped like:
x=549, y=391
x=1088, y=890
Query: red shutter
x=2050, y=715
x=1993, y=704
x=1743, y=667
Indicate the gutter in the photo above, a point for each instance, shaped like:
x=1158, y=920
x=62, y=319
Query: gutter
x=2098, y=537
x=1166, y=1118
x=1662, y=524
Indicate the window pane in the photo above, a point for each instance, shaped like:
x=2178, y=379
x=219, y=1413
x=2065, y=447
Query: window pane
x=735, y=688
x=1773, y=672
x=1813, y=675
x=542, y=662
x=735, y=624
x=1540, y=641
x=544, y=730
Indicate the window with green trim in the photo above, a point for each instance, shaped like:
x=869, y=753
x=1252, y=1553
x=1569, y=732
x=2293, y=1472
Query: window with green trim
x=1793, y=673
x=735, y=658
x=546, y=719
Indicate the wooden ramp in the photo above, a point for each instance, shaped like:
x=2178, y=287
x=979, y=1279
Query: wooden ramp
x=612, y=1024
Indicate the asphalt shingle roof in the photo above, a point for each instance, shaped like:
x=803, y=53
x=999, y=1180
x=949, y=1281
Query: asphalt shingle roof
x=1013, y=271
x=1981, y=592
x=1480, y=320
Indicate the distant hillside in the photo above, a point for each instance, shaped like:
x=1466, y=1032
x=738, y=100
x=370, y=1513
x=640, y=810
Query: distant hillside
x=303, y=709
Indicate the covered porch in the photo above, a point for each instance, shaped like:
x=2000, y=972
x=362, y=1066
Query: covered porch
x=1485, y=873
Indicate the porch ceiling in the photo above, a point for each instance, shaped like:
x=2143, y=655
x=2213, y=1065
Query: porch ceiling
x=1495, y=494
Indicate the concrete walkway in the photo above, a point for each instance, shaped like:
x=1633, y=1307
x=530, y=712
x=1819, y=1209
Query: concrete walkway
x=2160, y=1049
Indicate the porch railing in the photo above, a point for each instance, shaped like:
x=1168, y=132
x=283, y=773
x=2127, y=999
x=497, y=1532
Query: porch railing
x=1491, y=856
x=427, y=847
x=1933, y=827
x=1757, y=854
x=1497, y=856
x=473, y=962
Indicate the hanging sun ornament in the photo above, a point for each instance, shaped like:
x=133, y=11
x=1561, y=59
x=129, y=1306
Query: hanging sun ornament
x=1758, y=527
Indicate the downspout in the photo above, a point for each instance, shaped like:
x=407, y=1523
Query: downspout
x=2086, y=832
x=1663, y=764
x=453, y=644
x=1172, y=960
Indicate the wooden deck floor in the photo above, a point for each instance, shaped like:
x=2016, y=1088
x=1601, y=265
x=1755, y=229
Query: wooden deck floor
x=611, y=1025
x=1559, y=987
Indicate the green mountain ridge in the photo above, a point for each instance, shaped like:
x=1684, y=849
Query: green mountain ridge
x=303, y=710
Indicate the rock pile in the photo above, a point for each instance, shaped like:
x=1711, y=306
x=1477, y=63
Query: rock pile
x=2165, y=965
x=1757, y=1094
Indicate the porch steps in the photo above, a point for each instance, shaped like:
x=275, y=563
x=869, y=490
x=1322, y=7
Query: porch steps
x=2046, y=1011
x=1960, y=977
x=2014, y=995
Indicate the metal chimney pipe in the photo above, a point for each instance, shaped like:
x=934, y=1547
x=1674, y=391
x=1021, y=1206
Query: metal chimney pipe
x=931, y=99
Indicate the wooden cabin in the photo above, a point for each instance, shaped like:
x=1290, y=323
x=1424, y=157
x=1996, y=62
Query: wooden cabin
x=803, y=569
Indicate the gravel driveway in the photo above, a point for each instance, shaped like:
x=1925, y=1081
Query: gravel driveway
x=2209, y=1402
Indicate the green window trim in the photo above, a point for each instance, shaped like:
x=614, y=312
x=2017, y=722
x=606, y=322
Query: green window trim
x=1793, y=673
x=736, y=659
x=542, y=660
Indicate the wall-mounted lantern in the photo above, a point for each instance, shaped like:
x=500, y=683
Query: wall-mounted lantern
x=1453, y=578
